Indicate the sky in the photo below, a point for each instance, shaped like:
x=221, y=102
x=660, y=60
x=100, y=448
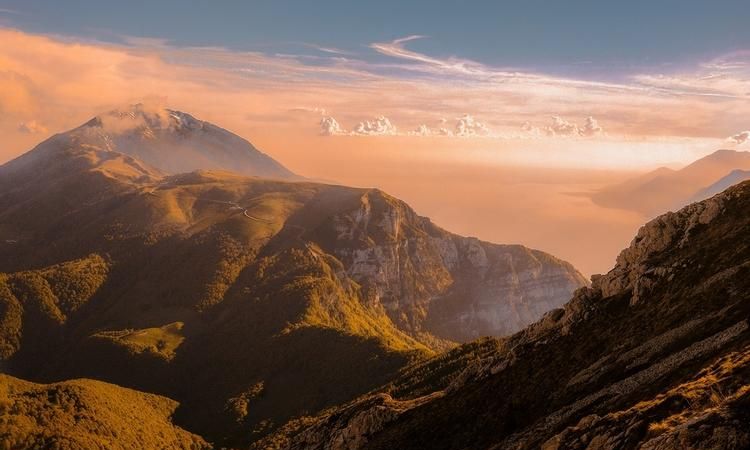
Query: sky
x=425, y=100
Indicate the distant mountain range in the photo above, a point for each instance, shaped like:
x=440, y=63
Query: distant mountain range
x=667, y=190
x=248, y=300
x=736, y=176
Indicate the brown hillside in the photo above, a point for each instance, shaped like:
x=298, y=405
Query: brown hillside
x=87, y=414
x=655, y=355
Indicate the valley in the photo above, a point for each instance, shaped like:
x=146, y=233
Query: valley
x=248, y=300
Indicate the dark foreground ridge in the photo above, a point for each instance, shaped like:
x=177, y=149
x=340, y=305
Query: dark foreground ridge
x=655, y=355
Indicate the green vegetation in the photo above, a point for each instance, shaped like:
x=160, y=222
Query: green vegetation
x=45, y=297
x=162, y=341
x=83, y=414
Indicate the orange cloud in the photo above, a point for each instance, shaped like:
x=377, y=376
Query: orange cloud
x=62, y=82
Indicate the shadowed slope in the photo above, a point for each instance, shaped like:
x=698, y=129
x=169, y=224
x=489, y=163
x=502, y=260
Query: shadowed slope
x=654, y=355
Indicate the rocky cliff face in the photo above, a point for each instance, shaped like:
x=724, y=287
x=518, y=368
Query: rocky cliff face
x=653, y=355
x=432, y=281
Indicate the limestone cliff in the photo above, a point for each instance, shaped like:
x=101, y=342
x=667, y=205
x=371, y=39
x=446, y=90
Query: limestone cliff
x=432, y=281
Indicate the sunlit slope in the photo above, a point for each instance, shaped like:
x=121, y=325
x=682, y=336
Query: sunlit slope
x=87, y=414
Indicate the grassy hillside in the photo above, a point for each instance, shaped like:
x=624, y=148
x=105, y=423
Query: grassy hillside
x=87, y=414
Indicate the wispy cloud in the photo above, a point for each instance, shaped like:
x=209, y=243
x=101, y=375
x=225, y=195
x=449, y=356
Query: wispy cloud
x=397, y=49
x=61, y=81
x=328, y=49
x=32, y=127
x=739, y=138
x=717, y=78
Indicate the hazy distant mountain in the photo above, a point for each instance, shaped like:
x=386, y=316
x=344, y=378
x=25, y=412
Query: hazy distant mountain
x=665, y=189
x=171, y=141
x=250, y=301
x=655, y=355
x=735, y=177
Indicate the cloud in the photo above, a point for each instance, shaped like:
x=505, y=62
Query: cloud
x=531, y=130
x=32, y=127
x=327, y=49
x=467, y=125
x=424, y=130
x=410, y=88
x=309, y=110
x=380, y=126
x=421, y=130
x=590, y=127
x=563, y=128
x=724, y=77
x=428, y=64
x=128, y=118
x=330, y=127
x=739, y=138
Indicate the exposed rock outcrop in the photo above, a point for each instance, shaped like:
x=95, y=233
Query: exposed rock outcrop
x=654, y=355
x=432, y=281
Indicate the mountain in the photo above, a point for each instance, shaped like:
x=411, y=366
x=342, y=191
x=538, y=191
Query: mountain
x=654, y=355
x=734, y=177
x=173, y=141
x=665, y=189
x=87, y=414
x=249, y=301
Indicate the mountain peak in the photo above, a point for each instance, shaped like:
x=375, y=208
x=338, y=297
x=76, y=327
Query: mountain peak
x=145, y=119
x=169, y=140
x=722, y=155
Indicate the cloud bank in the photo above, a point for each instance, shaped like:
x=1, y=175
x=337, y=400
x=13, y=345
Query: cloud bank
x=564, y=128
x=465, y=126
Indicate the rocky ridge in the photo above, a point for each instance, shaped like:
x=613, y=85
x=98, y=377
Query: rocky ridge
x=653, y=355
